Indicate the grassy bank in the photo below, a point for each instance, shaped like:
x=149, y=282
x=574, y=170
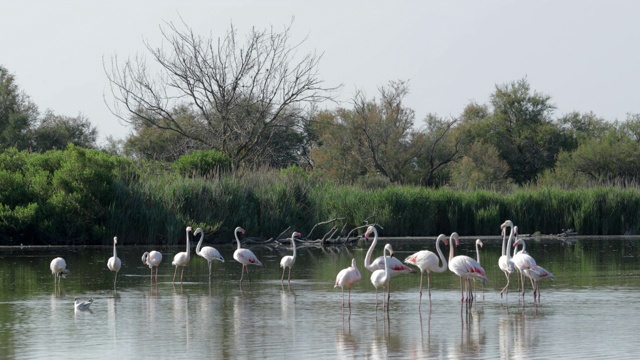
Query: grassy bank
x=81, y=196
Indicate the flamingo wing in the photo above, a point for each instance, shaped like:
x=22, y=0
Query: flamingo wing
x=211, y=253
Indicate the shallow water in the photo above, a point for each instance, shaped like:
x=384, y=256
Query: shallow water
x=589, y=311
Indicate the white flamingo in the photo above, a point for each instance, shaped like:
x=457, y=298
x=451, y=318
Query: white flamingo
x=114, y=262
x=464, y=266
x=427, y=261
x=504, y=262
x=289, y=260
x=382, y=278
x=244, y=256
x=82, y=305
x=152, y=259
x=347, y=278
x=532, y=270
x=522, y=260
x=182, y=258
x=479, y=245
x=59, y=269
x=208, y=253
x=396, y=266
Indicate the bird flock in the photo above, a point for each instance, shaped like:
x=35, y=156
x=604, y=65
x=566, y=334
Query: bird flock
x=382, y=268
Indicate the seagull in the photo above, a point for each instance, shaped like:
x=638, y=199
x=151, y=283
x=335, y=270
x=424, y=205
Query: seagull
x=82, y=305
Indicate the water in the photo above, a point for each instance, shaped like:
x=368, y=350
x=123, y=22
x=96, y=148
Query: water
x=589, y=311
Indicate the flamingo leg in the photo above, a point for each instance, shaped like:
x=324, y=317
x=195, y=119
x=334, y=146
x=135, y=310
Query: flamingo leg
x=349, y=296
x=181, y=274
x=174, y=274
x=343, y=297
x=289, y=280
x=282, y=277
x=156, y=274
x=505, y=289
x=429, y=284
x=376, y=298
x=461, y=290
x=209, y=269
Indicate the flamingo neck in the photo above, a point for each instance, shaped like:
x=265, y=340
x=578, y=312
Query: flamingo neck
x=508, y=253
x=237, y=240
x=293, y=241
x=441, y=256
x=478, y=253
x=188, y=247
x=367, y=258
x=452, y=244
x=386, y=265
x=199, y=246
x=505, y=251
x=115, y=253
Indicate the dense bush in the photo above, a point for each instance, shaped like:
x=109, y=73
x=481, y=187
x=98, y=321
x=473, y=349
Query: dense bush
x=87, y=197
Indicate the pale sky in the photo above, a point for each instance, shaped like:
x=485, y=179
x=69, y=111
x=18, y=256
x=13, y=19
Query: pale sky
x=585, y=54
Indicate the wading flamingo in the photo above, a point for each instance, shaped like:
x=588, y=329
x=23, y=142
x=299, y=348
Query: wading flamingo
x=152, y=259
x=58, y=268
x=382, y=278
x=427, y=261
x=504, y=262
x=347, y=278
x=289, y=260
x=244, y=256
x=533, y=272
x=396, y=266
x=208, y=253
x=479, y=245
x=465, y=267
x=114, y=262
x=182, y=258
x=522, y=261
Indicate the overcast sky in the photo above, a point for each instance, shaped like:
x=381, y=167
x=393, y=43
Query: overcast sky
x=585, y=54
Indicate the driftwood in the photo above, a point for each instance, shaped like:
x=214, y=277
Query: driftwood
x=322, y=223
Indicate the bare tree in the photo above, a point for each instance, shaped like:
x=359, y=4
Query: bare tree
x=243, y=94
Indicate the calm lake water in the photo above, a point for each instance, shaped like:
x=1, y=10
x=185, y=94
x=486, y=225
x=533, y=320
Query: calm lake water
x=590, y=310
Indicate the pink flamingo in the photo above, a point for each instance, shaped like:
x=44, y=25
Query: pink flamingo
x=58, y=268
x=427, y=261
x=152, y=259
x=208, y=253
x=504, y=262
x=396, y=267
x=465, y=267
x=522, y=261
x=114, y=262
x=347, y=278
x=289, y=260
x=382, y=278
x=182, y=259
x=244, y=256
x=532, y=270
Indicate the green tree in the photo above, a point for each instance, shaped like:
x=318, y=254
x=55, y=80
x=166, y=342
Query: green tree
x=56, y=131
x=17, y=113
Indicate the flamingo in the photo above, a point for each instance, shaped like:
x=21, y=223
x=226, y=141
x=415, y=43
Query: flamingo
x=532, y=270
x=479, y=244
x=396, y=266
x=208, y=253
x=182, y=258
x=347, y=278
x=152, y=259
x=58, y=268
x=464, y=266
x=427, y=261
x=289, y=260
x=82, y=305
x=244, y=256
x=504, y=262
x=382, y=278
x=114, y=262
x=536, y=274
x=522, y=260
